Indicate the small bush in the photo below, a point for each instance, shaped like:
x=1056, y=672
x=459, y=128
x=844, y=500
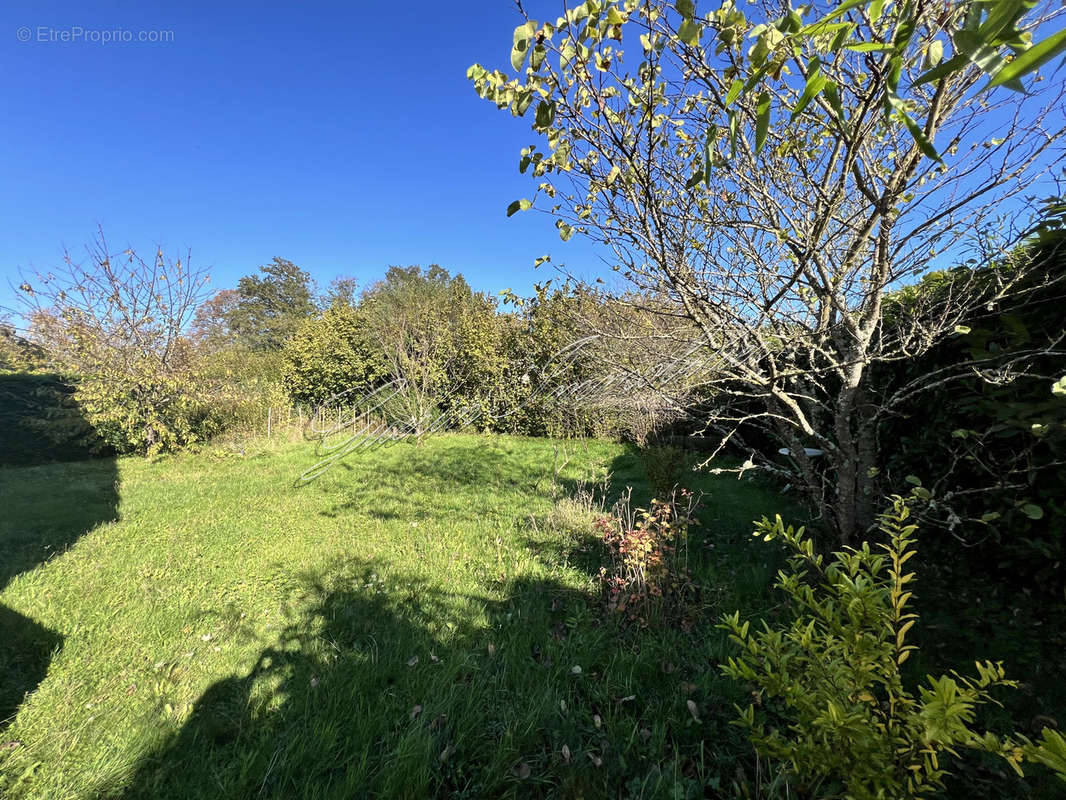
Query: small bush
x=834, y=707
x=648, y=575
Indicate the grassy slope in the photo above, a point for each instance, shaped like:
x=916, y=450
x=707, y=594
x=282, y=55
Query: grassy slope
x=398, y=628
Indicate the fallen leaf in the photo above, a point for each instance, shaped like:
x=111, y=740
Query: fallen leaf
x=668, y=667
x=688, y=688
x=521, y=770
x=627, y=698
x=446, y=753
x=314, y=681
x=566, y=754
x=10, y=745
x=433, y=658
x=597, y=721
x=413, y=661
x=576, y=670
x=492, y=650
x=692, y=709
x=562, y=706
x=595, y=759
x=416, y=712
x=645, y=734
x=438, y=721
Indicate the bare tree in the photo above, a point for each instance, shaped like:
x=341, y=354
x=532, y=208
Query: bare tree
x=758, y=183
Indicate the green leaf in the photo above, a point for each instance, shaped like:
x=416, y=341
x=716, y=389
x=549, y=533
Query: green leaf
x=962, y=329
x=1032, y=59
x=833, y=96
x=762, y=120
x=942, y=71
x=999, y=16
x=518, y=205
x=825, y=28
x=1033, y=511
x=1059, y=386
x=537, y=58
x=689, y=32
x=522, y=35
x=815, y=84
x=565, y=231
x=868, y=47
x=545, y=114
x=522, y=102
x=686, y=8
x=919, y=136
x=734, y=91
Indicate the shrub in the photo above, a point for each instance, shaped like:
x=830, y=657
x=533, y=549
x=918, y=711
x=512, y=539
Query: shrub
x=330, y=355
x=648, y=576
x=834, y=705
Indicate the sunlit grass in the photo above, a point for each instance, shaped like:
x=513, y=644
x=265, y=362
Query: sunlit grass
x=399, y=627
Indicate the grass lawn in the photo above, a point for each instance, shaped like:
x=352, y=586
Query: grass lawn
x=405, y=626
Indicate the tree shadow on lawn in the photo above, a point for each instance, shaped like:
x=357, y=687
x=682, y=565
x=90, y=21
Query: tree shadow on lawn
x=47, y=507
x=401, y=689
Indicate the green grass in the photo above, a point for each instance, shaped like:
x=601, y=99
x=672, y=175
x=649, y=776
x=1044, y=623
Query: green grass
x=406, y=626
x=224, y=634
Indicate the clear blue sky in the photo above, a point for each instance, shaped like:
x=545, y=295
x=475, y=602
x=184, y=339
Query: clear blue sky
x=342, y=136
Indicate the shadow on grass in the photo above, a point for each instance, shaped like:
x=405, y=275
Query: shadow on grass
x=389, y=688
x=392, y=687
x=44, y=513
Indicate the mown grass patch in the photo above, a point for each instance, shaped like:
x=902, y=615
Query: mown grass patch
x=420, y=621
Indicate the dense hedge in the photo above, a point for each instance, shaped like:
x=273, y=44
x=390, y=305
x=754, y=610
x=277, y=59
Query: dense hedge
x=991, y=443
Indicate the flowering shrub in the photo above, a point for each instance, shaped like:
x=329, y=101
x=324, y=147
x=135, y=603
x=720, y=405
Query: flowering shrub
x=648, y=573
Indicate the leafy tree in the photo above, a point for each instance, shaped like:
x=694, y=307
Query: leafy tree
x=772, y=172
x=116, y=322
x=331, y=355
x=271, y=307
x=413, y=314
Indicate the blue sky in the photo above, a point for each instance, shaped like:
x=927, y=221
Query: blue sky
x=342, y=136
